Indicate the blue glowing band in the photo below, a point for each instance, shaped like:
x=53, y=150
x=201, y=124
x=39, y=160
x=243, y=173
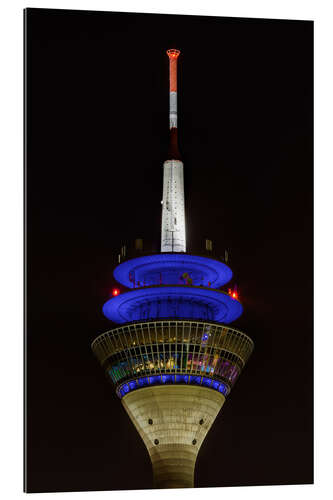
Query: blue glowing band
x=186, y=302
x=172, y=269
x=164, y=379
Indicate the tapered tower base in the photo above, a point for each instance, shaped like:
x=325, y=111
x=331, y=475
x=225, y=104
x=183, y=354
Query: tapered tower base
x=173, y=421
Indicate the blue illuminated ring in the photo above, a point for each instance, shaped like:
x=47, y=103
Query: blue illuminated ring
x=168, y=268
x=181, y=301
x=163, y=379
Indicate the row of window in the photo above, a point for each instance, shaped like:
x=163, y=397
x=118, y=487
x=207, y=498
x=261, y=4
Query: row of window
x=212, y=365
x=163, y=379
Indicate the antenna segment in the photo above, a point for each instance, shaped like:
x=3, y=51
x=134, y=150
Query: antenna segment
x=173, y=56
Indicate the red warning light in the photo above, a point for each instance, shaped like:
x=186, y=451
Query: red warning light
x=115, y=292
x=173, y=53
x=234, y=295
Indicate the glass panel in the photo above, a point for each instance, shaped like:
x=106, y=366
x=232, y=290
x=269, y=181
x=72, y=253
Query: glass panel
x=155, y=379
x=195, y=380
x=167, y=379
x=143, y=381
x=206, y=381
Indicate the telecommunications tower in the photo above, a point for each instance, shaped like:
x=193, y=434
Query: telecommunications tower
x=173, y=359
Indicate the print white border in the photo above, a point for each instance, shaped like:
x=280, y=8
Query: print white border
x=11, y=224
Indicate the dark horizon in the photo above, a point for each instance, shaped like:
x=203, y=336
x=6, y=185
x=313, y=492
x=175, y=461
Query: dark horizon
x=97, y=136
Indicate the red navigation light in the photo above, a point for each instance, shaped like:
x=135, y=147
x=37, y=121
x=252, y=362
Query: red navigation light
x=115, y=292
x=173, y=53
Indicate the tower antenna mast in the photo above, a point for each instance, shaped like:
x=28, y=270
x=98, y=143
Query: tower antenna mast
x=173, y=238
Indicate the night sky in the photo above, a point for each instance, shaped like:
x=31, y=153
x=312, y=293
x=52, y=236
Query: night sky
x=97, y=136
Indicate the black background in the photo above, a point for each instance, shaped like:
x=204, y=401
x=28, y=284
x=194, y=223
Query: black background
x=97, y=136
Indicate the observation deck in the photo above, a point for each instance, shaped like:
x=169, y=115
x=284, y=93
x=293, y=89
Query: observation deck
x=172, y=301
x=172, y=285
x=169, y=269
x=142, y=354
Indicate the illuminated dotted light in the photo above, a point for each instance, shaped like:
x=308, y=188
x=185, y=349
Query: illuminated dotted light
x=115, y=292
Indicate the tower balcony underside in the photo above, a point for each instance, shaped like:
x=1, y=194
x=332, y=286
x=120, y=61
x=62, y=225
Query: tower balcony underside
x=189, y=353
x=172, y=269
x=173, y=301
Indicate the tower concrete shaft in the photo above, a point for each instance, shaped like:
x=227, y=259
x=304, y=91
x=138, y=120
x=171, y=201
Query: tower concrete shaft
x=172, y=377
x=173, y=236
x=173, y=421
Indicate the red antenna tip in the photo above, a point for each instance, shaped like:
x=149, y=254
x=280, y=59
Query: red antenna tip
x=173, y=53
